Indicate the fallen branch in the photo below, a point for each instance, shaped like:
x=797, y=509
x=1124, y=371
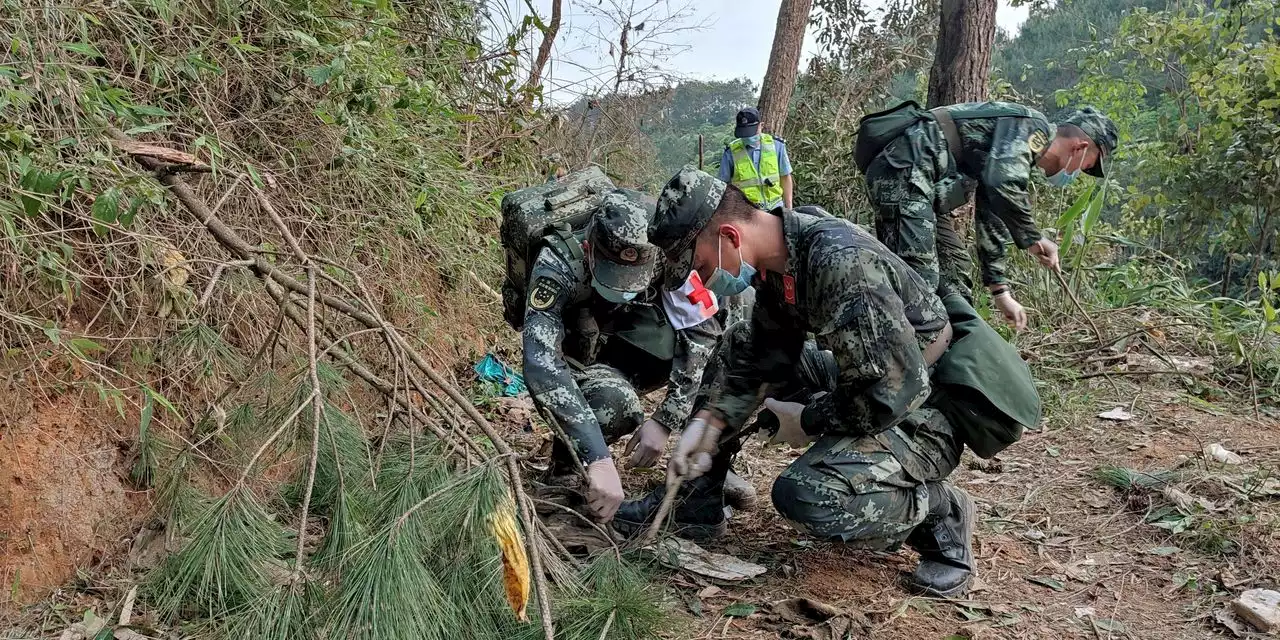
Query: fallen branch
x=271, y=273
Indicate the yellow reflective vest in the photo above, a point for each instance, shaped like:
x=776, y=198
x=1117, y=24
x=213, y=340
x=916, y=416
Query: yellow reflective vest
x=764, y=186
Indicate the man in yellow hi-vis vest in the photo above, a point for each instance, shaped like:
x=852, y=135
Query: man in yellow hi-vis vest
x=757, y=163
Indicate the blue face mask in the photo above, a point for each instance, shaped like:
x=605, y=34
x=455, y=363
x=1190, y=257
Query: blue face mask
x=1063, y=178
x=752, y=140
x=616, y=297
x=724, y=284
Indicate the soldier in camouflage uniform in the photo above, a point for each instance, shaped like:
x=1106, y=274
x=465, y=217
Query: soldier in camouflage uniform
x=916, y=181
x=875, y=473
x=595, y=338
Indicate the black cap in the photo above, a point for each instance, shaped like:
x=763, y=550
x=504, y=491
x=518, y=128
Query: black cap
x=747, y=123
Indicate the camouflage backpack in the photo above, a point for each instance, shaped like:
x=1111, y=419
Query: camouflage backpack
x=550, y=214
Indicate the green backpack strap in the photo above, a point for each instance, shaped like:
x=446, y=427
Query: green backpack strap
x=563, y=240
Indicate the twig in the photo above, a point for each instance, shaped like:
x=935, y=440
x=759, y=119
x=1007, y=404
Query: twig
x=284, y=425
x=605, y=534
x=217, y=274
x=317, y=404
x=546, y=533
x=273, y=274
x=604, y=633
x=1079, y=307
x=1137, y=373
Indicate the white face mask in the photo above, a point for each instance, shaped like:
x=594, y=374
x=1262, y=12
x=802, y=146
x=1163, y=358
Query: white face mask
x=1064, y=177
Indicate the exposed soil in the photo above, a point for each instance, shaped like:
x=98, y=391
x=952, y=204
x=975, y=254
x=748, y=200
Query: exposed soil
x=64, y=502
x=1059, y=553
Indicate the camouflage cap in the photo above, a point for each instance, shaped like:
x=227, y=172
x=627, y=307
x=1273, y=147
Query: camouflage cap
x=685, y=206
x=622, y=258
x=1100, y=129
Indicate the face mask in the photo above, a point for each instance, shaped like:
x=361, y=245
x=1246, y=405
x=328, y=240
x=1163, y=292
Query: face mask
x=1063, y=178
x=724, y=284
x=752, y=141
x=616, y=297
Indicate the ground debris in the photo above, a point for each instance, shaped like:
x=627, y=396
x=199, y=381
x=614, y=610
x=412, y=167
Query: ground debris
x=1118, y=414
x=1260, y=608
x=1221, y=454
x=816, y=620
x=679, y=553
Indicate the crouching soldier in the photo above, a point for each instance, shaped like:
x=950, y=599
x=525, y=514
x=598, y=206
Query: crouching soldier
x=882, y=441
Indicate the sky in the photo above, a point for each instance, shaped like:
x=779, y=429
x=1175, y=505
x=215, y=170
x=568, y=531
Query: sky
x=718, y=51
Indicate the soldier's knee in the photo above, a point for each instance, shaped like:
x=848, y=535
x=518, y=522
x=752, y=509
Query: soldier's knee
x=616, y=406
x=801, y=504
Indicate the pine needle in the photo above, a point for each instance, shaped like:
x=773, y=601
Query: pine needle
x=176, y=500
x=225, y=563
x=387, y=593
x=345, y=530
x=1127, y=479
x=619, y=601
x=286, y=612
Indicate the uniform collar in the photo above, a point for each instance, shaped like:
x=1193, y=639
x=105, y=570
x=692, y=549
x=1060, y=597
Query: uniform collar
x=792, y=227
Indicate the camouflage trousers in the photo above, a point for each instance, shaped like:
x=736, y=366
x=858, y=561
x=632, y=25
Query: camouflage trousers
x=868, y=491
x=906, y=222
x=614, y=402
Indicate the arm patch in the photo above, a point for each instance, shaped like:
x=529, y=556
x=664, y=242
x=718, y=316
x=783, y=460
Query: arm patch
x=544, y=293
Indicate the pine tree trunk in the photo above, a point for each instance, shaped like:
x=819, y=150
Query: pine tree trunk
x=962, y=62
x=784, y=65
x=961, y=70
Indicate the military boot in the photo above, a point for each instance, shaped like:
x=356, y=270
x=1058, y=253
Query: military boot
x=698, y=512
x=945, y=543
x=738, y=493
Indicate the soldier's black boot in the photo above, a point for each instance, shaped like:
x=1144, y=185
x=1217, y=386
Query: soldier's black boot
x=945, y=543
x=698, y=512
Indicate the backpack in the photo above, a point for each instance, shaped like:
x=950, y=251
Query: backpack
x=551, y=214
x=982, y=385
x=877, y=130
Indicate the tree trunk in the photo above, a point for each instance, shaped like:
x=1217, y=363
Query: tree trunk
x=544, y=52
x=784, y=64
x=962, y=62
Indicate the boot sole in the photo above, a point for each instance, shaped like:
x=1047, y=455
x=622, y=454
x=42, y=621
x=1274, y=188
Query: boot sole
x=740, y=502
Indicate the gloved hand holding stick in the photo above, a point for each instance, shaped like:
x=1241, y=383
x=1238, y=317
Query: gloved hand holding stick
x=691, y=458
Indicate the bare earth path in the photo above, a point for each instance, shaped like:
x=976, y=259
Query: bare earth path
x=1060, y=554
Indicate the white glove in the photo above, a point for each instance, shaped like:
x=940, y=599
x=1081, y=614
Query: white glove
x=790, y=430
x=692, y=455
x=604, y=489
x=647, y=443
x=1013, y=312
x=1046, y=251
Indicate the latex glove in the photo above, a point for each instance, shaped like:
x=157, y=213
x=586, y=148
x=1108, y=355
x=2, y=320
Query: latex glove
x=790, y=430
x=647, y=443
x=692, y=455
x=1013, y=312
x=1045, y=251
x=604, y=489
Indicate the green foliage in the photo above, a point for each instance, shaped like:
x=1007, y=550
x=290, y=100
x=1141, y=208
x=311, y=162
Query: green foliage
x=616, y=593
x=1045, y=56
x=1199, y=159
x=226, y=562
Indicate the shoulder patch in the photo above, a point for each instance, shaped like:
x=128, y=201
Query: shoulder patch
x=1037, y=142
x=544, y=293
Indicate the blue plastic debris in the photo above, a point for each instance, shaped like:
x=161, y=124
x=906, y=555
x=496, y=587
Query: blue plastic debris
x=490, y=369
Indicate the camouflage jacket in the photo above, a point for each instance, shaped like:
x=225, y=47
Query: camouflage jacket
x=863, y=303
x=998, y=153
x=566, y=322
